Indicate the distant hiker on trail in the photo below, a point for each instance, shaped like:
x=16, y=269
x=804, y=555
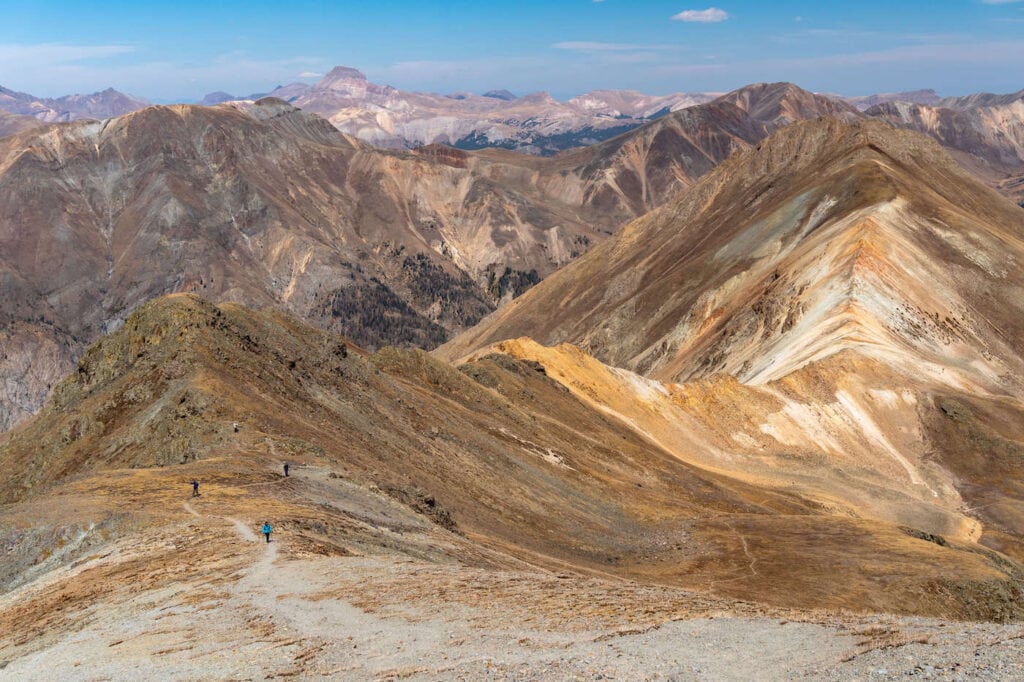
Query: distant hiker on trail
x=286, y=468
x=236, y=427
x=195, y=488
x=266, y=529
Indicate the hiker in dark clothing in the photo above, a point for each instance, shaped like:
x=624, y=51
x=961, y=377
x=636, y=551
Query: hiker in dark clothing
x=286, y=468
x=195, y=488
x=266, y=529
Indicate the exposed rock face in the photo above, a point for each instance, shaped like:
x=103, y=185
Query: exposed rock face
x=986, y=131
x=824, y=238
x=836, y=311
x=99, y=105
x=273, y=206
x=779, y=104
x=641, y=170
x=269, y=206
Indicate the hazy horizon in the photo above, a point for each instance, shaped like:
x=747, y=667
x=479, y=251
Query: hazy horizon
x=181, y=53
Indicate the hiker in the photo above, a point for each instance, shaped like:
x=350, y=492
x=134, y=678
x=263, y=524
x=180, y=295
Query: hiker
x=286, y=469
x=195, y=488
x=236, y=427
x=266, y=529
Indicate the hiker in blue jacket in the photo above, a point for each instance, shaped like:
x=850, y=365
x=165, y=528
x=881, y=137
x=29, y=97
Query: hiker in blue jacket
x=266, y=529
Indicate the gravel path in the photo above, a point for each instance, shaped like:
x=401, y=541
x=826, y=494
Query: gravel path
x=275, y=620
x=231, y=606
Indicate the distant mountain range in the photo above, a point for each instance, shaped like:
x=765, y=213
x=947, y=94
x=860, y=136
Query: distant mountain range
x=98, y=105
x=269, y=205
x=535, y=123
x=983, y=130
x=265, y=204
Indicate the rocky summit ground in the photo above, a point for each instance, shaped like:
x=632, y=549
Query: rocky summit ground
x=204, y=597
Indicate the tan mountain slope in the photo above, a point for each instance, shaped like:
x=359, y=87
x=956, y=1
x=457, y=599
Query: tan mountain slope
x=270, y=207
x=273, y=206
x=844, y=307
x=497, y=451
x=858, y=438
x=828, y=237
x=986, y=132
x=15, y=123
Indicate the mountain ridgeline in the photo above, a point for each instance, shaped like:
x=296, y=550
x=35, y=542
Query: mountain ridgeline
x=763, y=349
x=271, y=206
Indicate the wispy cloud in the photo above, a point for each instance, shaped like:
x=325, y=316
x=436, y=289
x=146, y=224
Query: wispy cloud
x=17, y=55
x=52, y=72
x=999, y=2
x=310, y=74
x=711, y=15
x=855, y=35
x=961, y=53
x=591, y=46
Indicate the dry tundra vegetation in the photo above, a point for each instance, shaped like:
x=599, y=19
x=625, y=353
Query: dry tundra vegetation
x=769, y=429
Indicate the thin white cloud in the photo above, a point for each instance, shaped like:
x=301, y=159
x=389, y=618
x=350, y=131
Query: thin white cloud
x=17, y=55
x=155, y=80
x=711, y=15
x=998, y=2
x=963, y=54
x=310, y=74
x=591, y=46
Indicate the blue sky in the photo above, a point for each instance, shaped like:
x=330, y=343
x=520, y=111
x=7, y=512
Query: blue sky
x=179, y=51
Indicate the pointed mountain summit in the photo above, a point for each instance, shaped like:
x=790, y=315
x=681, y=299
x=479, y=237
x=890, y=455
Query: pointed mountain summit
x=779, y=104
x=826, y=237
